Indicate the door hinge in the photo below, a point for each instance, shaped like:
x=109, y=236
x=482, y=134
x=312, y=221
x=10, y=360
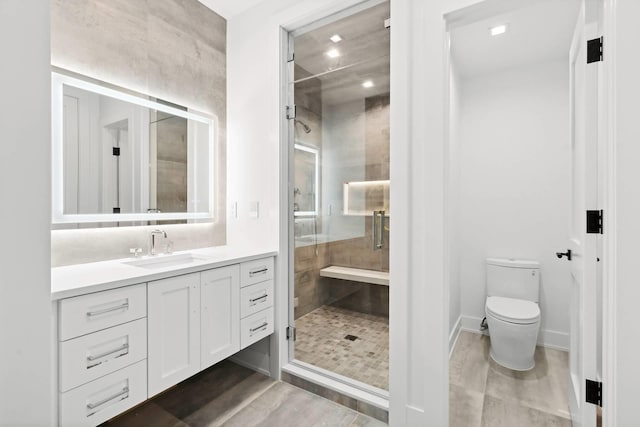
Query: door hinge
x=594, y=222
x=387, y=23
x=291, y=112
x=116, y=151
x=291, y=56
x=595, y=50
x=291, y=333
x=594, y=392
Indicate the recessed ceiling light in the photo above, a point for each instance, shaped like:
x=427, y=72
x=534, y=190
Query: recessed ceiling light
x=332, y=53
x=335, y=38
x=367, y=84
x=498, y=29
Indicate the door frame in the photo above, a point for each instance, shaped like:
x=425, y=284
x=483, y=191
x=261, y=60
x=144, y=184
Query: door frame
x=606, y=119
x=304, y=18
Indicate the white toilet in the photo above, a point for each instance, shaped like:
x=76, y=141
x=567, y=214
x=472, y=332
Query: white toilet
x=512, y=311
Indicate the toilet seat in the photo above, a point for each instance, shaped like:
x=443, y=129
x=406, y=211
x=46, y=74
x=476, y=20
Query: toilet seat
x=513, y=310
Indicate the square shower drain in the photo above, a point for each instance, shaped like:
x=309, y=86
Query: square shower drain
x=351, y=337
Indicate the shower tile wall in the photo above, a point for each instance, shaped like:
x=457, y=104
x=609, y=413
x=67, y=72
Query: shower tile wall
x=314, y=291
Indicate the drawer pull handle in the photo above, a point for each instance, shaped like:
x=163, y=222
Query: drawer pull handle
x=120, y=396
x=125, y=347
x=254, y=301
x=258, y=328
x=261, y=270
x=124, y=306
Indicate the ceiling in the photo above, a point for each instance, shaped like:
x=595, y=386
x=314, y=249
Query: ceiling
x=229, y=8
x=364, y=56
x=539, y=31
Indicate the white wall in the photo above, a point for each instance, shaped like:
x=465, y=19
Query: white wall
x=622, y=228
x=453, y=214
x=515, y=193
x=26, y=367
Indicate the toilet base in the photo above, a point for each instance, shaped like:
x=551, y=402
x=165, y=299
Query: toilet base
x=513, y=368
x=513, y=345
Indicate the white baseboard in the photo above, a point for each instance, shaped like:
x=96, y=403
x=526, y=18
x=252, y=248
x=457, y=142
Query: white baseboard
x=453, y=336
x=546, y=337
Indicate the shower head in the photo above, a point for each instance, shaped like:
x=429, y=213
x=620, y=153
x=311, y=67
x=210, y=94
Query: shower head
x=306, y=128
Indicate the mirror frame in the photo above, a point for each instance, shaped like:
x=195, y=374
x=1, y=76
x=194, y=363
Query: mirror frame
x=58, y=216
x=315, y=153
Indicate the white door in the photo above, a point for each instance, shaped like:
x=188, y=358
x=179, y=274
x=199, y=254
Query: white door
x=220, y=314
x=174, y=330
x=584, y=115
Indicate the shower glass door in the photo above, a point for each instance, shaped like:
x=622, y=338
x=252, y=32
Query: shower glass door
x=339, y=175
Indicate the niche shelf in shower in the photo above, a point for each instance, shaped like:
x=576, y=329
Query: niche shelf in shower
x=357, y=275
x=361, y=198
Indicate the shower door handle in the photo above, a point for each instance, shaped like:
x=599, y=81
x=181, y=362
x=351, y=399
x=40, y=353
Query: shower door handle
x=374, y=230
x=377, y=224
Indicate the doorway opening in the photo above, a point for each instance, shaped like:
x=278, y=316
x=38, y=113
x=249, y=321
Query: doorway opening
x=339, y=212
x=523, y=171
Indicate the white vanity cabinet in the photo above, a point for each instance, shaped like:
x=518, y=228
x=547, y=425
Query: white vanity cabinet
x=121, y=346
x=219, y=314
x=194, y=322
x=102, y=352
x=173, y=330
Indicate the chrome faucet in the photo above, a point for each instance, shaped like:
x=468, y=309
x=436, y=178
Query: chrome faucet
x=152, y=240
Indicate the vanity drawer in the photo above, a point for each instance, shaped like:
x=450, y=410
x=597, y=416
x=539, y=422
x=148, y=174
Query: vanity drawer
x=104, y=398
x=92, y=312
x=256, y=297
x=256, y=271
x=256, y=327
x=94, y=355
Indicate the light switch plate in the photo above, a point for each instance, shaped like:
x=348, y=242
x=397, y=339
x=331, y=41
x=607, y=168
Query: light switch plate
x=254, y=209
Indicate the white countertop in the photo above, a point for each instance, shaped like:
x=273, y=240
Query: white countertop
x=80, y=279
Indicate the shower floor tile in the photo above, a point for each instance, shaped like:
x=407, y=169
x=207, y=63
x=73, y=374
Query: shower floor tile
x=346, y=342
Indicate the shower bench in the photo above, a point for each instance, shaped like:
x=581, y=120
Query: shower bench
x=356, y=274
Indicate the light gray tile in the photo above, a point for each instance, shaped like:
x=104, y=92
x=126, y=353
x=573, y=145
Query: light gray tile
x=284, y=405
x=503, y=413
x=365, y=421
x=148, y=414
x=465, y=407
x=469, y=363
x=544, y=387
x=214, y=394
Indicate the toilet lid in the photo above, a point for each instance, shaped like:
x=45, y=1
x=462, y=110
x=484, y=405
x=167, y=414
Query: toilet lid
x=513, y=310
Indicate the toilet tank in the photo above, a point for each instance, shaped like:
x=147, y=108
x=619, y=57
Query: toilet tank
x=513, y=278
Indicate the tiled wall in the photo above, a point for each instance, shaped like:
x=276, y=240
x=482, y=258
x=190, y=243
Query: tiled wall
x=171, y=49
x=312, y=290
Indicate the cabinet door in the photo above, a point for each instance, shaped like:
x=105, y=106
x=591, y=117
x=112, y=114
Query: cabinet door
x=174, y=330
x=220, y=314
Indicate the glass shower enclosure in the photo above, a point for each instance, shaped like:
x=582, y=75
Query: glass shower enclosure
x=339, y=200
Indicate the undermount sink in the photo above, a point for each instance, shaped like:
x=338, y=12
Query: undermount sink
x=164, y=261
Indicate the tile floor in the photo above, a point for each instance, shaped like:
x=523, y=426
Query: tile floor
x=321, y=341
x=232, y=396
x=483, y=393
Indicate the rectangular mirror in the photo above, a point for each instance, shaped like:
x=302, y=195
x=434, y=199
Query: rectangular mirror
x=119, y=157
